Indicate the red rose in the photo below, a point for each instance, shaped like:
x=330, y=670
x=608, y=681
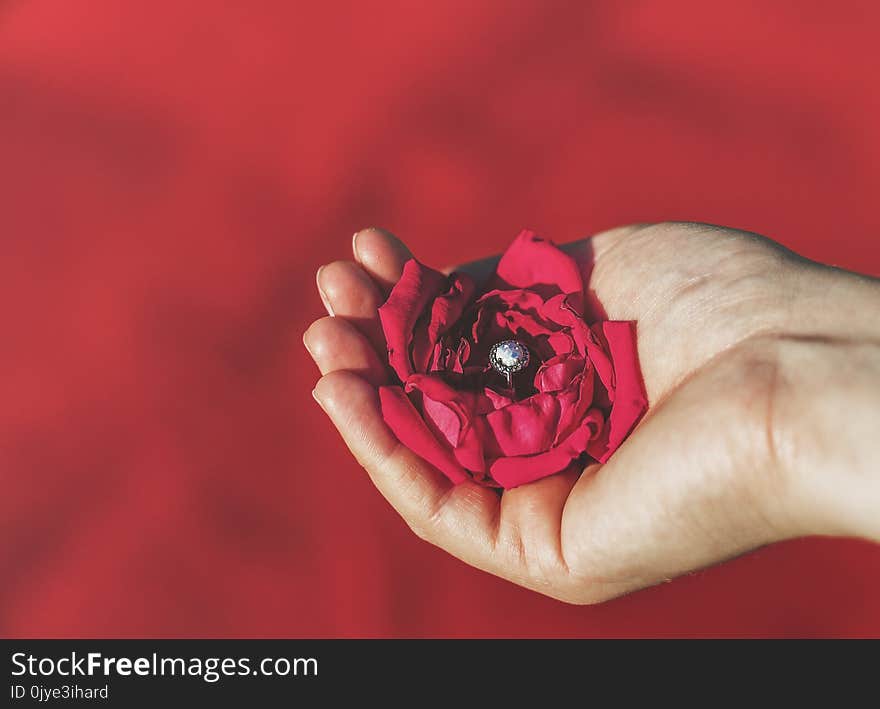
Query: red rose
x=580, y=395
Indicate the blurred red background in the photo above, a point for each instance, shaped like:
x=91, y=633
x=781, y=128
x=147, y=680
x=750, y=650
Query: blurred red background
x=173, y=173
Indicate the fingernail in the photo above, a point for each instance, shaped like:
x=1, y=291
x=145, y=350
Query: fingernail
x=306, y=343
x=322, y=293
x=354, y=239
x=315, y=397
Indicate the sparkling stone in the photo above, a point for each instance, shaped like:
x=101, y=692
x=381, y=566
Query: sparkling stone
x=509, y=356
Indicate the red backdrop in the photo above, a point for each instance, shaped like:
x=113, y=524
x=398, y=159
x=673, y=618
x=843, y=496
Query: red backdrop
x=171, y=176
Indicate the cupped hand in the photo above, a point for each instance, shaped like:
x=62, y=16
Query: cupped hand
x=752, y=359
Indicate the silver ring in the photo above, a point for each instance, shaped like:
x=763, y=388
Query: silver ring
x=508, y=357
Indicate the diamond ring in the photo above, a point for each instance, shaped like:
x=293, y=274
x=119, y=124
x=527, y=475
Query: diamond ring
x=508, y=357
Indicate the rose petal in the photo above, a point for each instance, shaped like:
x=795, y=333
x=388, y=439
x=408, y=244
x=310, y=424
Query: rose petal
x=629, y=401
x=496, y=399
x=571, y=415
x=469, y=451
x=514, y=471
x=494, y=309
x=589, y=387
x=459, y=357
x=520, y=324
x=557, y=373
x=448, y=411
x=445, y=312
x=520, y=298
x=561, y=343
x=538, y=265
x=417, y=287
x=443, y=420
x=596, y=352
x=403, y=419
x=452, y=416
x=523, y=428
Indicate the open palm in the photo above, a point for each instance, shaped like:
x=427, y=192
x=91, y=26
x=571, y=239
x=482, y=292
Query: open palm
x=702, y=477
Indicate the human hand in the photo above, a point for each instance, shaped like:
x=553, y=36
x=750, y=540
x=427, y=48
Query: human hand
x=763, y=374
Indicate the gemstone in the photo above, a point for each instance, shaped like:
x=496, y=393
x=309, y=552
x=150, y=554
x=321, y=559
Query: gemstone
x=509, y=356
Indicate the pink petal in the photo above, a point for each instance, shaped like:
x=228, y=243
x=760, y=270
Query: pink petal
x=514, y=471
x=629, y=401
x=523, y=428
x=403, y=419
x=443, y=420
x=519, y=323
x=469, y=452
x=572, y=414
x=445, y=313
x=496, y=307
x=538, y=265
x=513, y=298
x=590, y=342
x=447, y=411
x=561, y=343
x=600, y=355
x=557, y=373
x=452, y=415
x=496, y=399
x=417, y=287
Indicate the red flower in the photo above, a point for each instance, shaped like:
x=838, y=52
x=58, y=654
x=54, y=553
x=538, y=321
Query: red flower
x=580, y=395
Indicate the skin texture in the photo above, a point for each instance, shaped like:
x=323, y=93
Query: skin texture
x=763, y=375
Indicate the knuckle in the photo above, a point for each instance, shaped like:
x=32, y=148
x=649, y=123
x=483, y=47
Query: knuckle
x=419, y=529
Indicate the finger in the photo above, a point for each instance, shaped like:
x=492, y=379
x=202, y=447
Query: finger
x=519, y=541
x=382, y=255
x=335, y=344
x=348, y=292
x=531, y=519
x=457, y=518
